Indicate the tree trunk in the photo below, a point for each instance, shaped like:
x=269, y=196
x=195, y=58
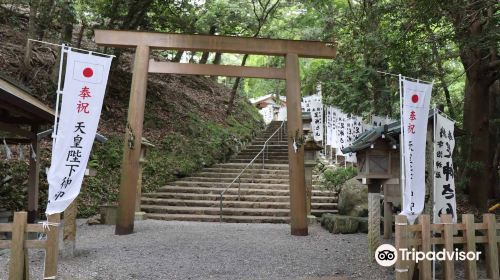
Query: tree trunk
x=45, y=9
x=234, y=90
x=80, y=35
x=476, y=122
x=31, y=34
x=441, y=73
x=67, y=21
x=178, y=56
x=204, y=56
x=216, y=61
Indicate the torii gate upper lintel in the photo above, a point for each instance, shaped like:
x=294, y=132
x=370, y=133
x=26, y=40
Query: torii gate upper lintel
x=145, y=41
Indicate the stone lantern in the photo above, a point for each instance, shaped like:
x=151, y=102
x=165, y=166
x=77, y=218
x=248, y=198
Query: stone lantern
x=145, y=145
x=306, y=123
x=311, y=149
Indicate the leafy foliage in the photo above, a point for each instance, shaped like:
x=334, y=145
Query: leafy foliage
x=13, y=184
x=334, y=179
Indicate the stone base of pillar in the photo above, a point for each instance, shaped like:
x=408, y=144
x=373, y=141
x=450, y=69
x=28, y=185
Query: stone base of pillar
x=373, y=224
x=68, y=251
x=140, y=216
x=311, y=219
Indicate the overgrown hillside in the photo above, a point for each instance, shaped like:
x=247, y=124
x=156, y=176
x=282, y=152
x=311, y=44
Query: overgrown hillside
x=184, y=118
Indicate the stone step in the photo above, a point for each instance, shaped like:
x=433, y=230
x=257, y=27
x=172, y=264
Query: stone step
x=270, y=142
x=234, y=191
x=270, y=180
x=247, y=171
x=255, y=198
x=257, y=162
x=260, y=146
x=225, y=211
x=236, y=165
x=226, y=184
x=268, y=147
x=248, y=175
x=216, y=218
x=215, y=211
x=230, y=203
x=267, y=157
x=268, y=153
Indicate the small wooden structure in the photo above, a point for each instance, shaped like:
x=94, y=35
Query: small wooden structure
x=144, y=42
x=270, y=99
x=462, y=235
x=21, y=117
x=19, y=264
x=378, y=165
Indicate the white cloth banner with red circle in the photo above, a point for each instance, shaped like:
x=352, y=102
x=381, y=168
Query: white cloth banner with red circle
x=415, y=115
x=85, y=82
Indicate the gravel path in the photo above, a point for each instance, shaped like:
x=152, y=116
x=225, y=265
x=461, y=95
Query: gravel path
x=191, y=250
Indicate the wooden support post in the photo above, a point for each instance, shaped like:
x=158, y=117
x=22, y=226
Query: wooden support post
x=425, y=271
x=132, y=145
x=298, y=211
x=17, y=254
x=387, y=215
x=52, y=249
x=470, y=245
x=402, y=272
x=373, y=219
x=449, y=267
x=33, y=179
x=69, y=230
x=491, y=247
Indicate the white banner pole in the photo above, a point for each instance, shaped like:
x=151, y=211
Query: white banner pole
x=434, y=187
x=401, y=144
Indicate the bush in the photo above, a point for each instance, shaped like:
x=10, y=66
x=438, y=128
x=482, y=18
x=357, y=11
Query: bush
x=333, y=179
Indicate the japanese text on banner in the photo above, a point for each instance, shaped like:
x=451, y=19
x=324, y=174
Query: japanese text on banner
x=444, y=183
x=84, y=87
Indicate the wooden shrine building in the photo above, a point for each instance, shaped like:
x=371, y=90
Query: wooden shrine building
x=21, y=118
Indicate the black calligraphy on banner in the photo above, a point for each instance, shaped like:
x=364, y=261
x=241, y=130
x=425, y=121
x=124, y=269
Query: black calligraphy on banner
x=444, y=183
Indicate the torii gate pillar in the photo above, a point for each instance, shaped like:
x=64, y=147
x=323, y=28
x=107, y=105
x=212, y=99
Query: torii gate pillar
x=298, y=208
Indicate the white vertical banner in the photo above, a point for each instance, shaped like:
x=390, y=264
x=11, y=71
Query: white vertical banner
x=85, y=82
x=444, y=183
x=317, y=120
x=333, y=127
x=328, y=124
x=267, y=113
x=282, y=113
x=341, y=132
x=416, y=98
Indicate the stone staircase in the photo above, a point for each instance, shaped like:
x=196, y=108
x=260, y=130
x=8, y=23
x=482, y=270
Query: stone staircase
x=264, y=196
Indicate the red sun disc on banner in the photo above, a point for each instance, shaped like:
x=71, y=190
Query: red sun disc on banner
x=414, y=98
x=88, y=72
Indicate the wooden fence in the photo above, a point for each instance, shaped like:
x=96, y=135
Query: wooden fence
x=18, y=268
x=463, y=234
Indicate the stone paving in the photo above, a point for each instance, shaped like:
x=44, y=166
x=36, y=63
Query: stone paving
x=195, y=250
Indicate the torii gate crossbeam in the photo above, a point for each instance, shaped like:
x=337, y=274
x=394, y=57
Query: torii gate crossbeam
x=145, y=41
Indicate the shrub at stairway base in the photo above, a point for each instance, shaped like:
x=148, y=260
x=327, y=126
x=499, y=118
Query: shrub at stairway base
x=344, y=224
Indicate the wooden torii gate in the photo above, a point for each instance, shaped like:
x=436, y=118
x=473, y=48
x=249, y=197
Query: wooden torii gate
x=145, y=41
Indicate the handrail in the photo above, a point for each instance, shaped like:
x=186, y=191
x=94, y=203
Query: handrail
x=262, y=151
